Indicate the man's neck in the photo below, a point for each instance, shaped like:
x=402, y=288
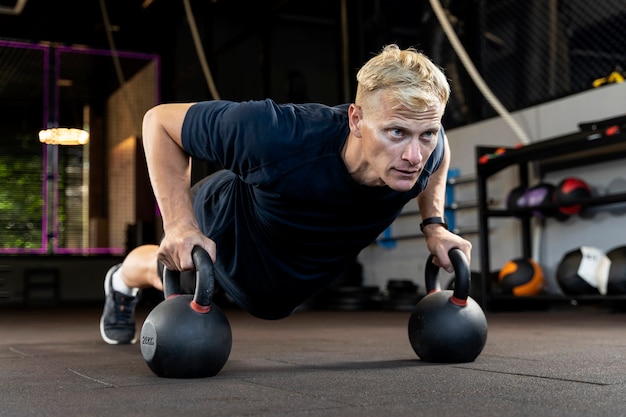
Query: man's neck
x=357, y=166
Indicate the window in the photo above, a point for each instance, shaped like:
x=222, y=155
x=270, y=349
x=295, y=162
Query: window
x=78, y=199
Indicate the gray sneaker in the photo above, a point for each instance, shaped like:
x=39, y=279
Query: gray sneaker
x=117, y=324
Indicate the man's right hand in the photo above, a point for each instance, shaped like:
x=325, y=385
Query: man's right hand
x=175, y=249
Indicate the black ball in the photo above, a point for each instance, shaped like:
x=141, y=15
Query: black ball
x=617, y=271
x=568, y=273
x=521, y=277
x=515, y=199
x=569, y=192
x=540, y=199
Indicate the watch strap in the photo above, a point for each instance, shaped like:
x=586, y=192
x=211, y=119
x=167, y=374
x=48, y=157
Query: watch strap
x=433, y=220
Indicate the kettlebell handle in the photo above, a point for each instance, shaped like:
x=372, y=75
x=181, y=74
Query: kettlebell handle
x=462, y=276
x=205, y=281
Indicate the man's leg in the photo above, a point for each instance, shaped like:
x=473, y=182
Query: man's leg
x=123, y=281
x=139, y=268
x=121, y=285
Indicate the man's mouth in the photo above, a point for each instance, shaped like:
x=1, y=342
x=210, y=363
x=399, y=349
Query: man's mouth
x=408, y=172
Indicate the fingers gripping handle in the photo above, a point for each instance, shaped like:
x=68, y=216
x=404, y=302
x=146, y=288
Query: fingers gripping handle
x=205, y=281
x=462, y=277
x=171, y=282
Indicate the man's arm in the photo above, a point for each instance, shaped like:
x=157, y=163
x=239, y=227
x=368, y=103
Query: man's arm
x=431, y=202
x=169, y=168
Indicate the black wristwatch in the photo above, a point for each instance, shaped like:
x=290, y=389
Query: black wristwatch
x=433, y=220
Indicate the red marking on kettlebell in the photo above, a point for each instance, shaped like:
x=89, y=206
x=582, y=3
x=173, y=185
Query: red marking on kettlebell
x=461, y=302
x=171, y=296
x=199, y=308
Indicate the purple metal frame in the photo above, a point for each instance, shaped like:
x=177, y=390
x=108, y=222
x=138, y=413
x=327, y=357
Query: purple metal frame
x=50, y=231
x=46, y=82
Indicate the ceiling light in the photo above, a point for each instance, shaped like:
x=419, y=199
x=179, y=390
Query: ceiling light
x=64, y=136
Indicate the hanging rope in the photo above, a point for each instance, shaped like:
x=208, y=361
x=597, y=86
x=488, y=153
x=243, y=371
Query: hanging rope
x=200, y=50
x=118, y=69
x=473, y=73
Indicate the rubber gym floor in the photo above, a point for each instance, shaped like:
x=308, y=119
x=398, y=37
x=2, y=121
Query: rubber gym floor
x=566, y=362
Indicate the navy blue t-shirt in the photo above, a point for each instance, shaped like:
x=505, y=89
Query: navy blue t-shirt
x=285, y=214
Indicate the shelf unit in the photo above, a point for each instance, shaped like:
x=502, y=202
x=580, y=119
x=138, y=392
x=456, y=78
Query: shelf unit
x=559, y=153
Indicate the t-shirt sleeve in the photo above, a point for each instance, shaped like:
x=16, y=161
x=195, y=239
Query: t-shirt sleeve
x=239, y=136
x=434, y=162
x=261, y=141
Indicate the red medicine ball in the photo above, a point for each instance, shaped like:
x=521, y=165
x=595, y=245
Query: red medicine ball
x=569, y=193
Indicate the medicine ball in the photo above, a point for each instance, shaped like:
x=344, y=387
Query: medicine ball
x=521, y=277
x=617, y=271
x=515, y=200
x=568, y=194
x=577, y=269
x=540, y=198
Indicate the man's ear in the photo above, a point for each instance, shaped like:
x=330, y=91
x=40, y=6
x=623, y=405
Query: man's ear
x=355, y=118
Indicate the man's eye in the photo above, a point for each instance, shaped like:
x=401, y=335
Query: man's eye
x=397, y=133
x=429, y=135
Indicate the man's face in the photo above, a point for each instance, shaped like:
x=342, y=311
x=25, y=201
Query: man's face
x=395, y=143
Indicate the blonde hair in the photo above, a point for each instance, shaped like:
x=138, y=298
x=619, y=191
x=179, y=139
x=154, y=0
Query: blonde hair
x=410, y=76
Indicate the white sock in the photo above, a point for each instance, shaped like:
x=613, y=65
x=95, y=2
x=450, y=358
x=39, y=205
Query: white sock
x=119, y=285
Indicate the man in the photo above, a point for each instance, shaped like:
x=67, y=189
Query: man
x=304, y=188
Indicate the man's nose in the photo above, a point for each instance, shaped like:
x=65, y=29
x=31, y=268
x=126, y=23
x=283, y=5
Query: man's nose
x=412, y=152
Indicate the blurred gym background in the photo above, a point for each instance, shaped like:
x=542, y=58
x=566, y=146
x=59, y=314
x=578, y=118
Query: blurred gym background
x=71, y=211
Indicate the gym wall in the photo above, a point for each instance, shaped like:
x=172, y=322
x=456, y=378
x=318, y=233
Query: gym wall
x=129, y=191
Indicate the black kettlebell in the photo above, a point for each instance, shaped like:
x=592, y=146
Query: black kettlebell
x=187, y=336
x=448, y=326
